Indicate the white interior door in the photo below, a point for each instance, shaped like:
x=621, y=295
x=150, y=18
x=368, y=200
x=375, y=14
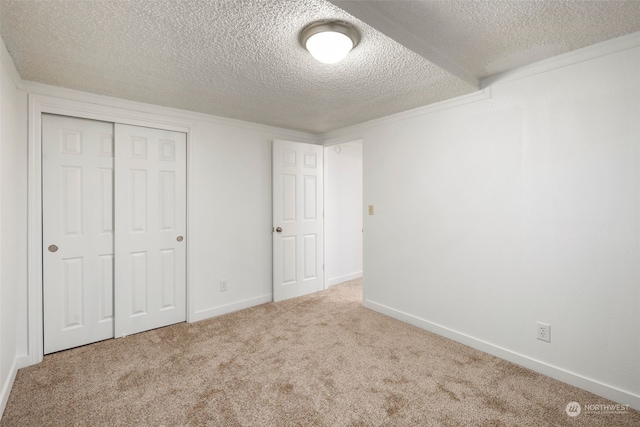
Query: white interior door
x=297, y=219
x=77, y=184
x=150, y=222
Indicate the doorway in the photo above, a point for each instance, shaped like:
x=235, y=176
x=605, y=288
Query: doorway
x=343, y=212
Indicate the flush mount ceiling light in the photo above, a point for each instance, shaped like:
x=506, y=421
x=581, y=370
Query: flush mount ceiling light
x=329, y=41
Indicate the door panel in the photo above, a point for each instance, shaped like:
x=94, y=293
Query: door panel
x=297, y=212
x=150, y=219
x=77, y=167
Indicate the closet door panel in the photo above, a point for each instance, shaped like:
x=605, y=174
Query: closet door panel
x=150, y=212
x=77, y=188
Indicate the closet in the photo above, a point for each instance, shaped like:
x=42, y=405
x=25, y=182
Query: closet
x=114, y=223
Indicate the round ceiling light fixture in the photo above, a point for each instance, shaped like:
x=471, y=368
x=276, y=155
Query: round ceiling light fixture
x=329, y=41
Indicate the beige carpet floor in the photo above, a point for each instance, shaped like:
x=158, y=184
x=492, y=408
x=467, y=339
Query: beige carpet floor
x=319, y=360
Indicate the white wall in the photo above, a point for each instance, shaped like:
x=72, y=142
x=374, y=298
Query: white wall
x=517, y=205
x=13, y=213
x=343, y=212
x=230, y=228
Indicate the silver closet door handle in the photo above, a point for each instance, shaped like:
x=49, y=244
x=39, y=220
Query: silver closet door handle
x=179, y=238
x=53, y=248
x=279, y=230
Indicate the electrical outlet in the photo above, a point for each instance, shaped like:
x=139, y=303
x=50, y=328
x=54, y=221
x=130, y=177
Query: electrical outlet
x=544, y=332
x=370, y=209
x=223, y=286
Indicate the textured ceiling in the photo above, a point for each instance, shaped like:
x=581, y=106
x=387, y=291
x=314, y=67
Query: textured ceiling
x=478, y=38
x=241, y=58
x=238, y=59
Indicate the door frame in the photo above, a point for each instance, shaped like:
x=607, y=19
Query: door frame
x=329, y=143
x=37, y=105
x=326, y=147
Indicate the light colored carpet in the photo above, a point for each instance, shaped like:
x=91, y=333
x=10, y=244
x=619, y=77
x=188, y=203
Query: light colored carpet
x=319, y=360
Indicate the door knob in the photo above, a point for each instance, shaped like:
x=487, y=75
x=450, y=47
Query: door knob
x=53, y=248
x=179, y=238
x=279, y=229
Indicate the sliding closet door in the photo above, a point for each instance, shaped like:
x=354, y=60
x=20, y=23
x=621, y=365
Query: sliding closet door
x=77, y=185
x=114, y=223
x=150, y=220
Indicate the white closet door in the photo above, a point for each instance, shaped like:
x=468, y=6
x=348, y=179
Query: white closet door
x=77, y=184
x=150, y=220
x=298, y=248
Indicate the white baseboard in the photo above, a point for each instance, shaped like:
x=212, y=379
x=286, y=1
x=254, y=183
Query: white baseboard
x=560, y=374
x=230, y=308
x=23, y=361
x=345, y=278
x=8, y=384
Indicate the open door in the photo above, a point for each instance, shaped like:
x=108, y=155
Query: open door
x=298, y=235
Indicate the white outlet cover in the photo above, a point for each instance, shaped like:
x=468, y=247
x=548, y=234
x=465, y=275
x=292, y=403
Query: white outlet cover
x=543, y=331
